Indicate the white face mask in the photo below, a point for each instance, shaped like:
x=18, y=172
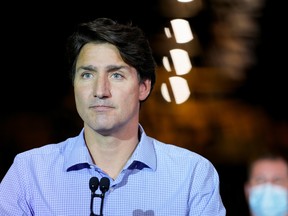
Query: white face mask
x=268, y=200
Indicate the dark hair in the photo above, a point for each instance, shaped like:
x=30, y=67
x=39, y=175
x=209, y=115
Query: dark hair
x=130, y=40
x=269, y=155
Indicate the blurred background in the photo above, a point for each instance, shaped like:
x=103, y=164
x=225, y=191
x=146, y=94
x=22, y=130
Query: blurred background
x=233, y=78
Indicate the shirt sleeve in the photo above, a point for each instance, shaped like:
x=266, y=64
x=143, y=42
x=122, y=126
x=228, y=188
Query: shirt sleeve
x=206, y=200
x=12, y=198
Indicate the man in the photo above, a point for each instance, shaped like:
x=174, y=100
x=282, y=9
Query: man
x=267, y=187
x=112, y=167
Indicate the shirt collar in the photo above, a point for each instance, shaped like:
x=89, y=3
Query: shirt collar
x=144, y=152
x=77, y=155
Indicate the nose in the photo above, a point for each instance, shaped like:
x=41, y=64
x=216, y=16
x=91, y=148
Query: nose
x=102, y=86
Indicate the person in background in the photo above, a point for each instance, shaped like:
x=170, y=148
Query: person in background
x=266, y=189
x=112, y=167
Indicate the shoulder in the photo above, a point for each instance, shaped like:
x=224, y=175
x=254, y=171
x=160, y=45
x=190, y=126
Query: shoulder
x=180, y=154
x=184, y=162
x=46, y=152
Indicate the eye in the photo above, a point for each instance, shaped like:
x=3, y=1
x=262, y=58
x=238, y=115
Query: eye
x=260, y=180
x=86, y=75
x=117, y=76
x=278, y=181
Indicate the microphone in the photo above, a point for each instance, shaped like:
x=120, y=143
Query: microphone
x=104, y=185
x=93, y=184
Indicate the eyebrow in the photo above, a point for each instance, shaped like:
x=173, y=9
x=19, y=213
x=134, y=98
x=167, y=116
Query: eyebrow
x=88, y=67
x=117, y=67
x=109, y=68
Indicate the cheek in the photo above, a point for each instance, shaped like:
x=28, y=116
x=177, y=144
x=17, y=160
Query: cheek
x=80, y=94
x=125, y=97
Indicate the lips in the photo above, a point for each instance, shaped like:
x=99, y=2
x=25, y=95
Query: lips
x=101, y=108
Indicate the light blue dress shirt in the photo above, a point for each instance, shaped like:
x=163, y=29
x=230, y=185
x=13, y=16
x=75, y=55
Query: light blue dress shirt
x=158, y=180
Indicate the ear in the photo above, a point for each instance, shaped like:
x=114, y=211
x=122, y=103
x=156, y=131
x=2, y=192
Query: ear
x=144, y=89
x=246, y=190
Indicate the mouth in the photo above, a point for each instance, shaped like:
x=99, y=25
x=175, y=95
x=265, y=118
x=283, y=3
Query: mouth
x=101, y=108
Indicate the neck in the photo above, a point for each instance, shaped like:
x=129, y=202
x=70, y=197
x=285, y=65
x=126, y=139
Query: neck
x=111, y=153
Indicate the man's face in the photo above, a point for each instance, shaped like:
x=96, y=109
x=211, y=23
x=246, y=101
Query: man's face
x=107, y=90
x=269, y=171
x=267, y=188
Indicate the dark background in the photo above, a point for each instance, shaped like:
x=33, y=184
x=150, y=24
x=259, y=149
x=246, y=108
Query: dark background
x=33, y=42
x=36, y=90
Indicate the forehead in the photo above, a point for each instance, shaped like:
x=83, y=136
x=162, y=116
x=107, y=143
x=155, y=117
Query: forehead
x=269, y=167
x=99, y=51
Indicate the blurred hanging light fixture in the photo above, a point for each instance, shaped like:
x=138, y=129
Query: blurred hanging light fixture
x=182, y=30
x=183, y=1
